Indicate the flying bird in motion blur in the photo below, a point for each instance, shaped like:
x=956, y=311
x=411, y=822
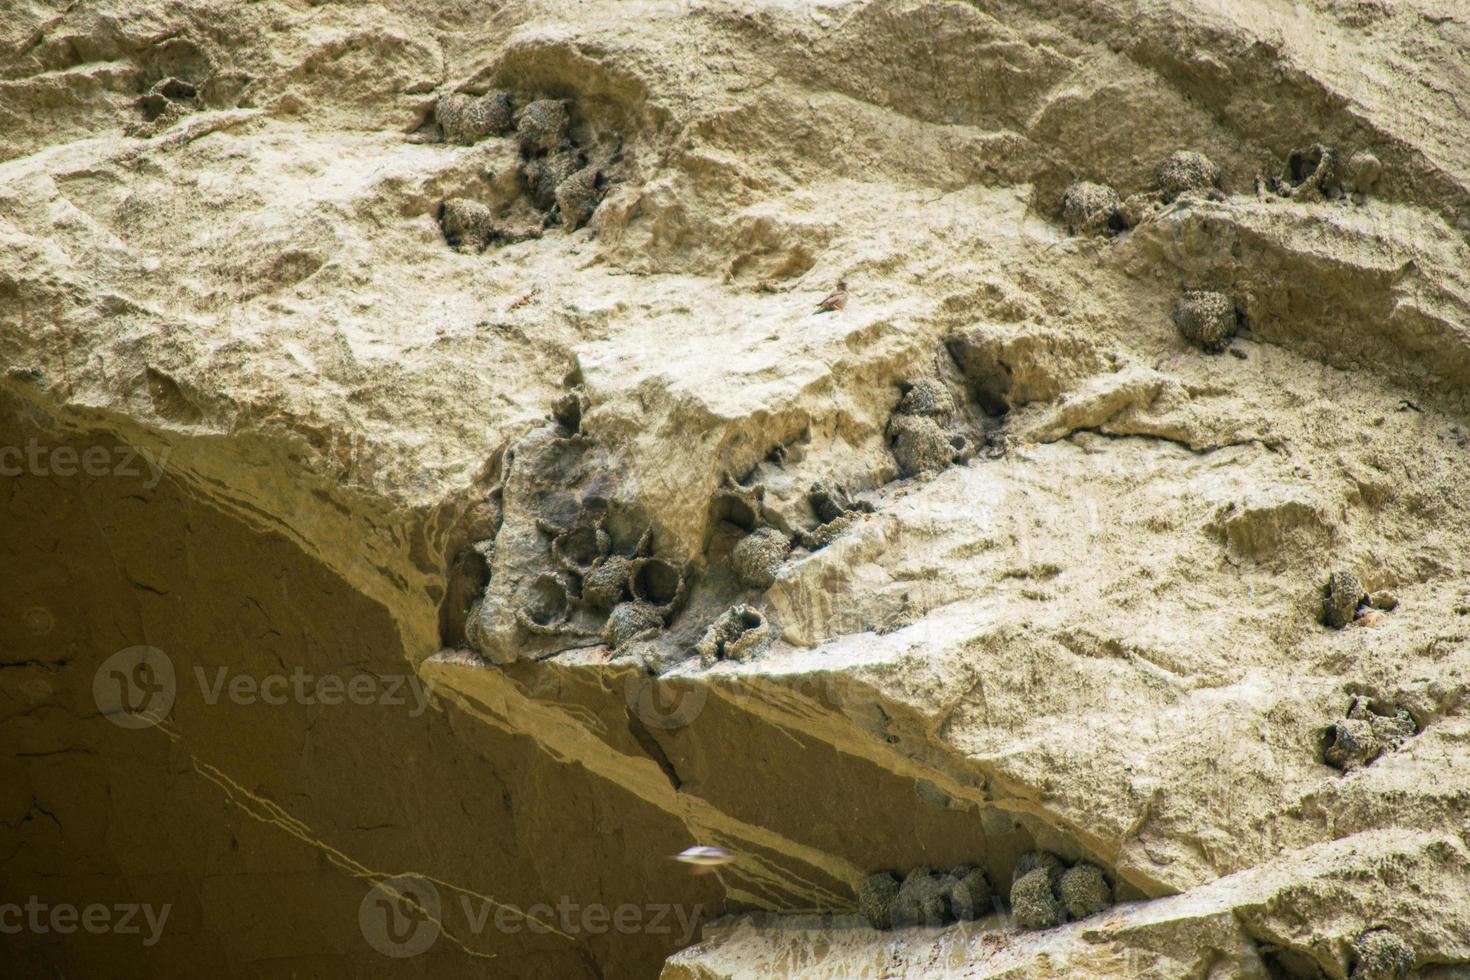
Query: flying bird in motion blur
x=705, y=859
x=837, y=301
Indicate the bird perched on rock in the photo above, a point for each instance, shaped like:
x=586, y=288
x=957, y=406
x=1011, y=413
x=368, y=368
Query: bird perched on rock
x=837, y=301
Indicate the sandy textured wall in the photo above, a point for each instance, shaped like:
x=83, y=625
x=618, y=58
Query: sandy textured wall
x=848, y=434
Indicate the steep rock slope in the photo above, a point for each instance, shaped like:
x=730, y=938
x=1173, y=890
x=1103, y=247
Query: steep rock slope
x=1068, y=595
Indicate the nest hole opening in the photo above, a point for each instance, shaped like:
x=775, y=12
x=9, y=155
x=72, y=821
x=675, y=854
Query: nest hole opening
x=1302, y=164
x=547, y=601
x=657, y=582
x=733, y=510
x=580, y=546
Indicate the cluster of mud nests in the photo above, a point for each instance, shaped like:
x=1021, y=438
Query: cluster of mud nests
x=570, y=559
x=925, y=897
x=570, y=563
x=1367, y=733
x=1097, y=209
x=563, y=171
x=1045, y=892
x=1317, y=173
x=1208, y=319
x=955, y=416
x=937, y=422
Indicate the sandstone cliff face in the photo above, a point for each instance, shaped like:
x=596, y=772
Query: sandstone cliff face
x=410, y=503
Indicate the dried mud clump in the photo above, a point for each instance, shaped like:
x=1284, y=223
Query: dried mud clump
x=1362, y=172
x=929, y=398
x=467, y=225
x=1092, y=209
x=742, y=507
x=542, y=125
x=656, y=582
x=1379, y=954
x=971, y=895
x=1138, y=208
x=876, y=895
x=467, y=119
x=744, y=551
x=1187, y=171
x=606, y=583
x=630, y=622
x=657, y=589
x=544, y=175
x=1045, y=860
x=1084, y=890
x=923, y=434
x=577, y=196
x=1206, y=319
x=1383, y=600
x=559, y=178
x=1034, y=904
x=570, y=561
x=579, y=548
x=739, y=634
x=544, y=605
x=824, y=534
x=1344, y=594
x=1364, y=735
x=585, y=552
x=925, y=898
x=1353, y=745
x=1045, y=893
x=758, y=557
x=919, y=445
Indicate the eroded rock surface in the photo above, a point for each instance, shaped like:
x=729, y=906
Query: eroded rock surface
x=1117, y=513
